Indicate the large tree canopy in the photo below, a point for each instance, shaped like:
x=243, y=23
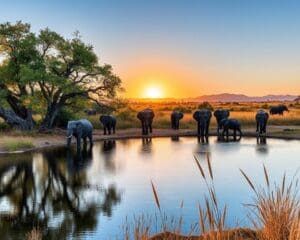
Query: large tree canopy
x=47, y=71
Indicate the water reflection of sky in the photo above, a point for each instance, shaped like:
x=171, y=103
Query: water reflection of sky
x=130, y=165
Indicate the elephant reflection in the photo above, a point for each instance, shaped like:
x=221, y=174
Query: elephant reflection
x=262, y=146
x=146, y=144
x=107, y=151
x=80, y=159
x=203, y=139
x=108, y=145
x=175, y=138
x=37, y=192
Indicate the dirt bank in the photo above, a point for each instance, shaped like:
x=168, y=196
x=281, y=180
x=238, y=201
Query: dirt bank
x=57, y=138
x=240, y=233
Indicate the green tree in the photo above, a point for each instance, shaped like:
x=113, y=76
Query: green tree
x=51, y=69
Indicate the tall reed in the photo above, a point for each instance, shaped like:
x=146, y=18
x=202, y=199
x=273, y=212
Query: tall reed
x=275, y=209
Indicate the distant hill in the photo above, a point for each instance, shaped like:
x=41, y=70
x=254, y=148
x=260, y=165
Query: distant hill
x=228, y=97
x=223, y=97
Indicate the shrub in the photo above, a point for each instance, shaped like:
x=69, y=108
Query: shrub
x=206, y=105
x=265, y=106
x=183, y=109
x=63, y=117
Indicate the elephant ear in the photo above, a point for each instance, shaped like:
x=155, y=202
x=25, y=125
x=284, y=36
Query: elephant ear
x=79, y=127
x=267, y=116
x=139, y=115
x=195, y=115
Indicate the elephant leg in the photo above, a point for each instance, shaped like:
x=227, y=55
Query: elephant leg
x=150, y=127
x=240, y=133
x=257, y=126
x=104, y=130
x=207, y=128
x=198, y=129
x=78, y=142
x=145, y=129
x=234, y=134
x=91, y=139
x=114, y=129
x=227, y=134
x=84, y=141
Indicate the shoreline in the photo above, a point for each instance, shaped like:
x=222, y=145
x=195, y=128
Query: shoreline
x=43, y=141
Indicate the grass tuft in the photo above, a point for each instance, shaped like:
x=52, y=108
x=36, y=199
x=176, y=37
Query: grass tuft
x=34, y=234
x=15, y=145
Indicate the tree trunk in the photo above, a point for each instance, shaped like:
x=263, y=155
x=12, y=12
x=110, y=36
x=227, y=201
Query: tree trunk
x=12, y=119
x=51, y=114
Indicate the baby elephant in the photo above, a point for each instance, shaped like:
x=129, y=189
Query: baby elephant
x=109, y=123
x=202, y=117
x=261, y=121
x=176, y=116
x=231, y=124
x=80, y=129
x=221, y=114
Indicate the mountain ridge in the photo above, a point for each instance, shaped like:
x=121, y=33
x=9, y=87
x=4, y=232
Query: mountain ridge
x=228, y=97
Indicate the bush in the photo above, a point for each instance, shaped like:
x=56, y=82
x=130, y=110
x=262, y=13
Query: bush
x=265, y=106
x=63, y=117
x=4, y=126
x=183, y=109
x=206, y=105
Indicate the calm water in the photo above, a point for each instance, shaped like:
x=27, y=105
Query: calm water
x=89, y=196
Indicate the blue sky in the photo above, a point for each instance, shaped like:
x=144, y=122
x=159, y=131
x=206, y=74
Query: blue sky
x=190, y=47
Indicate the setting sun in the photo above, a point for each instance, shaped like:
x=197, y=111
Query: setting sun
x=153, y=92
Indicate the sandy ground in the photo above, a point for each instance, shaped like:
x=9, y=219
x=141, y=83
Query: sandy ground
x=58, y=138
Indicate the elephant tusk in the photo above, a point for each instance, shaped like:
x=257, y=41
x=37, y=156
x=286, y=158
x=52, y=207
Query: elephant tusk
x=69, y=136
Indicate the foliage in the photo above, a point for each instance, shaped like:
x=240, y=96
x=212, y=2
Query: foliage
x=48, y=69
x=63, y=116
x=183, y=109
x=206, y=105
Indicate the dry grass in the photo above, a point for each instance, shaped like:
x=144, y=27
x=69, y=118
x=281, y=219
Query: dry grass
x=245, y=112
x=15, y=144
x=275, y=210
x=34, y=234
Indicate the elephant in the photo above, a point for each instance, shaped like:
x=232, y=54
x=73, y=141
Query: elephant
x=203, y=117
x=146, y=117
x=221, y=114
x=80, y=129
x=232, y=124
x=280, y=109
x=90, y=112
x=109, y=123
x=176, y=116
x=261, y=121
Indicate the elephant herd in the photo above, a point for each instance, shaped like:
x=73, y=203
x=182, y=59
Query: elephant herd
x=82, y=129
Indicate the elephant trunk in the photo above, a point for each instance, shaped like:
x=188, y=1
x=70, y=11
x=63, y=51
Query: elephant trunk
x=69, y=136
